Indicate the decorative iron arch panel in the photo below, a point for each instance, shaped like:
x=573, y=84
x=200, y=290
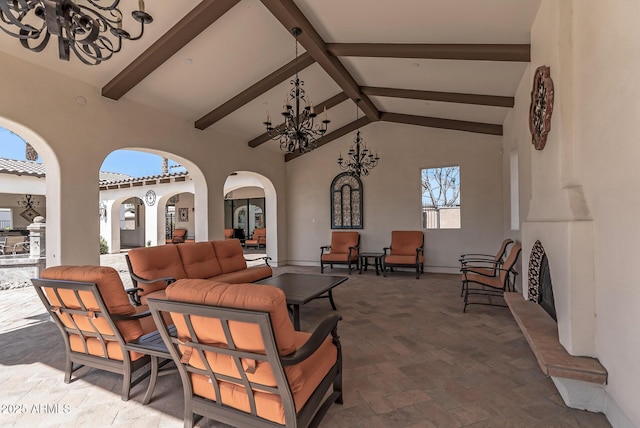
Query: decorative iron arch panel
x=346, y=202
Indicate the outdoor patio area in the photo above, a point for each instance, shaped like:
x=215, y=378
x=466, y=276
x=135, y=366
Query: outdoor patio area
x=411, y=358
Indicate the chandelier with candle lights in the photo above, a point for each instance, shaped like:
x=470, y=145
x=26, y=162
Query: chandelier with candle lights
x=359, y=158
x=91, y=29
x=300, y=130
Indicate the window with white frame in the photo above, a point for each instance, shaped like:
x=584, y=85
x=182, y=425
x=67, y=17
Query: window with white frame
x=440, y=197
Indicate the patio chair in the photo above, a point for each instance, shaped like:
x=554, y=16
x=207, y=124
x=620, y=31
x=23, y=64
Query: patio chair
x=491, y=286
x=343, y=250
x=228, y=234
x=484, y=264
x=179, y=235
x=406, y=250
x=15, y=245
x=259, y=238
x=99, y=326
x=240, y=359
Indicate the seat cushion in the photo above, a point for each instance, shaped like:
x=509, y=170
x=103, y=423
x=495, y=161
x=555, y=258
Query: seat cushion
x=199, y=260
x=491, y=281
x=403, y=260
x=230, y=255
x=251, y=274
x=338, y=258
x=156, y=262
x=405, y=242
x=269, y=406
x=341, y=241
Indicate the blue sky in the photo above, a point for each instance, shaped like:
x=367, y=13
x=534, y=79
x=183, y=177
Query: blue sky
x=133, y=163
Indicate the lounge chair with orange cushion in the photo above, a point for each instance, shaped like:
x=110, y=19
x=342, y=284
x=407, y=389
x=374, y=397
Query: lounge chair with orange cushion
x=406, y=250
x=99, y=326
x=241, y=361
x=343, y=250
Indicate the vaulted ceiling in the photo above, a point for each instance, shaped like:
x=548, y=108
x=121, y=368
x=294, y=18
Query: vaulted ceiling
x=222, y=64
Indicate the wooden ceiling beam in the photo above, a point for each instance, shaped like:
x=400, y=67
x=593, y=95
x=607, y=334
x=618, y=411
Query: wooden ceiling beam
x=195, y=22
x=469, y=52
x=448, y=97
x=359, y=123
x=255, y=90
x=290, y=16
x=331, y=102
x=435, y=122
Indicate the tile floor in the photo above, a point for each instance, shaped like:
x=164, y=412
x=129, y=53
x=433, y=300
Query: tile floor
x=411, y=359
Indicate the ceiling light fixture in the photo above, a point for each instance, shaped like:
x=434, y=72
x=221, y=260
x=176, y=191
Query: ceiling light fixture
x=298, y=132
x=359, y=158
x=91, y=29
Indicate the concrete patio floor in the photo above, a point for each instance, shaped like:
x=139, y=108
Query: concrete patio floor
x=411, y=359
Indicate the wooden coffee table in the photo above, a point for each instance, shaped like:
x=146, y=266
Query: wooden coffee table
x=300, y=288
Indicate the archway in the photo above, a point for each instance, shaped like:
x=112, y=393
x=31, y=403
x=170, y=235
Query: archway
x=51, y=187
x=269, y=212
x=156, y=191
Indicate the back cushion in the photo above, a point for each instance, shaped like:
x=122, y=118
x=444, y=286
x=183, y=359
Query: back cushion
x=199, y=260
x=259, y=232
x=341, y=241
x=240, y=296
x=156, y=262
x=405, y=242
x=230, y=255
x=111, y=289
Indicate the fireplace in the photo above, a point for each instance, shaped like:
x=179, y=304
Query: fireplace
x=540, y=288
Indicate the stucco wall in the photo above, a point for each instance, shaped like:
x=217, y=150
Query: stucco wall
x=607, y=66
x=79, y=137
x=588, y=170
x=392, y=194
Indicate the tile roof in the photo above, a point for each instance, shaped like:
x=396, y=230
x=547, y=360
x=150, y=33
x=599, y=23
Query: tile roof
x=20, y=167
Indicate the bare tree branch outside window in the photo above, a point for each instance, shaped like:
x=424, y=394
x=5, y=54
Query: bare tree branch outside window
x=441, y=198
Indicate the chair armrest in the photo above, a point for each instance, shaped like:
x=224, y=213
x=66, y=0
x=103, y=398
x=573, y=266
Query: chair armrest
x=131, y=317
x=325, y=247
x=166, y=279
x=329, y=325
x=480, y=262
x=463, y=256
x=464, y=270
x=134, y=296
x=384, y=250
x=266, y=260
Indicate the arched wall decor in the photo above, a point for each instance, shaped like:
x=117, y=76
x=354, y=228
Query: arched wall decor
x=346, y=202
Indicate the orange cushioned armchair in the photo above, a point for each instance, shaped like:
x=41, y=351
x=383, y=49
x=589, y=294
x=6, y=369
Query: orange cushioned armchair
x=241, y=361
x=406, y=250
x=259, y=238
x=99, y=326
x=342, y=251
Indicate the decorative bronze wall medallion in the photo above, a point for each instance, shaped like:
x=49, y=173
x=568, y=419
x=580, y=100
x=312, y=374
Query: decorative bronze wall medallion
x=541, y=107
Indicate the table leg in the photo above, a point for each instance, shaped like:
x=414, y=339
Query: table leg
x=333, y=305
x=362, y=259
x=377, y=262
x=153, y=377
x=296, y=317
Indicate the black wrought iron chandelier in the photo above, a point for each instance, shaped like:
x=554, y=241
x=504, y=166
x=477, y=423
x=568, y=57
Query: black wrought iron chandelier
x=93, y=30
x=299, y=131
x=359, y=158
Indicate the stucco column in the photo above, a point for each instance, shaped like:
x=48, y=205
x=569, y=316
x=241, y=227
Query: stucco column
x=37, y=238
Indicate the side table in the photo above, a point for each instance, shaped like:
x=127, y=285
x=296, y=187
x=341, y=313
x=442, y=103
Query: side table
x=363, y=259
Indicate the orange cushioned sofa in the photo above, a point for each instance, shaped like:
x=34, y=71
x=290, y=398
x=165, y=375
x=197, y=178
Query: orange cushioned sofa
x=240, y=359
x=153, y=268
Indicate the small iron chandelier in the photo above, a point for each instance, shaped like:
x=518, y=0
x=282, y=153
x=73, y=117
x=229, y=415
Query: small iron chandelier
x=359, y=158
x=298, y=132
x=93, y=31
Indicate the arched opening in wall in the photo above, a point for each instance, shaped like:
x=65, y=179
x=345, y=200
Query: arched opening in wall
x=180, y=218
x=29, y=183
x=250, y=212
x=147, y=194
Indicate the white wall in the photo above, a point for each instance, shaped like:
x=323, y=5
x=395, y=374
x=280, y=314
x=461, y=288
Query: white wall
x=8, y=200
x=588, y=172
x=392, y=193
x=75, y=139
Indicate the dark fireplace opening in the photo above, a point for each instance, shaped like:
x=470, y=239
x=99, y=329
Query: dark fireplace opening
x=545, y=291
